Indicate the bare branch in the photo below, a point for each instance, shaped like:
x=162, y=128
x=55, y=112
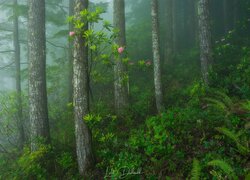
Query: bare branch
x=8, y=65
x=7, y=51
x=63, y=47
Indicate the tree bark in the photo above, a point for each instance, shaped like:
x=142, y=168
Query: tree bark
x=225, y=15
x=235, y=12
x=70, y=56
x=156, y=55
x=169, y=32
x=230, y=8
x=205, y=38
x=191, y=23
x=120, y=69
x=37, y=73
x=80, y=98
x=20, y=123
x=174, y=26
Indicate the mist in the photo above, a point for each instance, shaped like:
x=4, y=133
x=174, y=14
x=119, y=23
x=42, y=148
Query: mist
x=124, y=89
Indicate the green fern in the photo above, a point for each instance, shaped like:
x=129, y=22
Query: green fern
x=196, y=170
x=220, y=100
x=225, y=167
x=228, y=133
x=244, y=150
x=218, y=104
x=246, y=106
x=223, y=97
x=247, y=176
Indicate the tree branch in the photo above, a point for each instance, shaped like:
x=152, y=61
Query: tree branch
x=8, y=65
x=7, y=51
x=63, y=47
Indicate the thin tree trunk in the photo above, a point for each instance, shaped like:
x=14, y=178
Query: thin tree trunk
x=20, y=123
x=70, y=56
x=37, y=74
x=196, y=23
x=156, y=55
x=205, y=38
x=235, y=12
x=229, y=14
x=120, y=69
x=225, y=15
x=191, y=23
x=80, y=98
x=174, y=24
x=169, y=33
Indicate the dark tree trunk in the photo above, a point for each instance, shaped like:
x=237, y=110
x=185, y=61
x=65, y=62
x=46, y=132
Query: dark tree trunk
x=191, y=23
x=174, y=26
x=20, y=123
x=37, y=73
x=80, y=98
x=235, y=12
x=70, y=56
x=169, y=32
x=156, y=55
x=120, y=69
x=229, y=14
x=225, y=15
x=205, y=38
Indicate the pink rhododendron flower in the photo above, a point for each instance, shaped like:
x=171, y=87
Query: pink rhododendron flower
x=120, y=50
x=71, y=33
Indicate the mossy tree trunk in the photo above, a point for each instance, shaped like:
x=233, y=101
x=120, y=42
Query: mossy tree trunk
x=70, y=56
x=38, y=109
x=120, y=69
x=16, y=44
x=156, y=56
x=81, y=98
x=205, y=38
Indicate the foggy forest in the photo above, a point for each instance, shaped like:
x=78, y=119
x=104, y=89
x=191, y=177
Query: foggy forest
x=125, y=89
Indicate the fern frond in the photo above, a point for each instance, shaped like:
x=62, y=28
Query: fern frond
x=196, y=170
x=224, y=97
x=228, y=133
x=246, y=105
x=217, y=104
x=244, y=150
x=225, y=167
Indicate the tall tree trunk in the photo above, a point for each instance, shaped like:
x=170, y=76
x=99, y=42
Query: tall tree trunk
x=235, y=12
x=229, y=14
x=174, y=24
x=196, y=31
x=120, y=69
x=225, y=15
x=70, y=56
x=20, y=123
x=205, y=38
x=169, y=32
x=156, y=55
x=80, y=98
x=191, y=23
x=37, y=73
